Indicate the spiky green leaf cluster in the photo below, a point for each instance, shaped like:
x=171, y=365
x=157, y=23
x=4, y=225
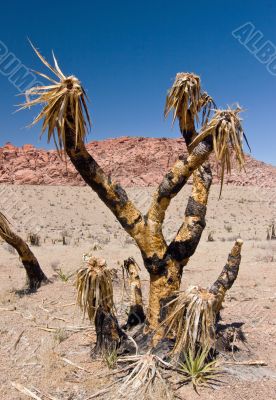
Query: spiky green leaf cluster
x=197, y=370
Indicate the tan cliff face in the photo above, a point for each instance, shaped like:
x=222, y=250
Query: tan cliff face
x=131, y=161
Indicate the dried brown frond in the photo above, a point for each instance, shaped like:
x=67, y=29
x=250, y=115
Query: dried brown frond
x=144, y=379
x=5, y=230
x=64, y=104
x=227, y=133
x=185, y=96
x=192, y=320
x=206, y=105
x=94, y=288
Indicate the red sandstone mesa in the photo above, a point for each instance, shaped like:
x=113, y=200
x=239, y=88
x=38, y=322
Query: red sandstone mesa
x=132, y=161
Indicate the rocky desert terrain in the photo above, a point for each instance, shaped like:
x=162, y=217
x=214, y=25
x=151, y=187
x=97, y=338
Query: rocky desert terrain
x=45, y=343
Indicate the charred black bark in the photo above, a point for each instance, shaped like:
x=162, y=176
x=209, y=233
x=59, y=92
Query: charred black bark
x=136, y=316
x=188, y=237
x=228, y=275
x=35, y=275
x=182, y=249
x=109, y=334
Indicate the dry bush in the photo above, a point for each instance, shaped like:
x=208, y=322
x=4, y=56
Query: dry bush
x=34, y=239
x=94, y=287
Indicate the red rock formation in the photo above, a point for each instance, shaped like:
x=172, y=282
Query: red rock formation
x=130, y=161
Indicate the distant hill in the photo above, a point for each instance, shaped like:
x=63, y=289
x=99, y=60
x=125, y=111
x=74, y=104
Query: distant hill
x=131, y=161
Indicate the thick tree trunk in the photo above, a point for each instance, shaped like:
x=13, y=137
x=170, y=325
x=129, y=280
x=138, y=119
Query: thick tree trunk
x=35, y=275
x=163, y=288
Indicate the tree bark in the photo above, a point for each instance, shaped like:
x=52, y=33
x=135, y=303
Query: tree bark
x=136, y=313
x=228, y=275
x=109, y=335
x=188, y=236
x=35, y=275
x=163, y=288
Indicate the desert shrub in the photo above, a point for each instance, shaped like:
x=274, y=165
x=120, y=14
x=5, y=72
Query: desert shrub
x=34, y=239
x=228, y=228
x=210, y=237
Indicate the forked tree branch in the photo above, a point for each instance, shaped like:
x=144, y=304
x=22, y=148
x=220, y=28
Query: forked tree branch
x=176, y=178
x=186, y=100
x=173, y=181
x=189, y=234
x=147, y=232
x=187, y=239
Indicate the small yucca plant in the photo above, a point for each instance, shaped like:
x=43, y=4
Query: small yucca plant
x=185, y=95
x=63, y=276
x=111, y=358
x=64, y=104
x=94, y=288
x=192, y=320
x=198, y=370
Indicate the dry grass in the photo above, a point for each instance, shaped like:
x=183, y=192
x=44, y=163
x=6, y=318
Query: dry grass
x=192, y=320
x=94, y=288
x=144, y=379
x=64, y=104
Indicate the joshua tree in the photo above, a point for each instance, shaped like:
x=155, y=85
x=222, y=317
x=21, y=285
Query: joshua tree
x=65, y=116
x=35, y=275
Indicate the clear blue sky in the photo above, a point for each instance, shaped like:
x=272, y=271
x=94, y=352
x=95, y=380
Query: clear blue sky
x=127, y=53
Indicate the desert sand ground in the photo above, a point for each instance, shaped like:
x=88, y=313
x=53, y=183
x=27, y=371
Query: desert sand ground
x=39, y=332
